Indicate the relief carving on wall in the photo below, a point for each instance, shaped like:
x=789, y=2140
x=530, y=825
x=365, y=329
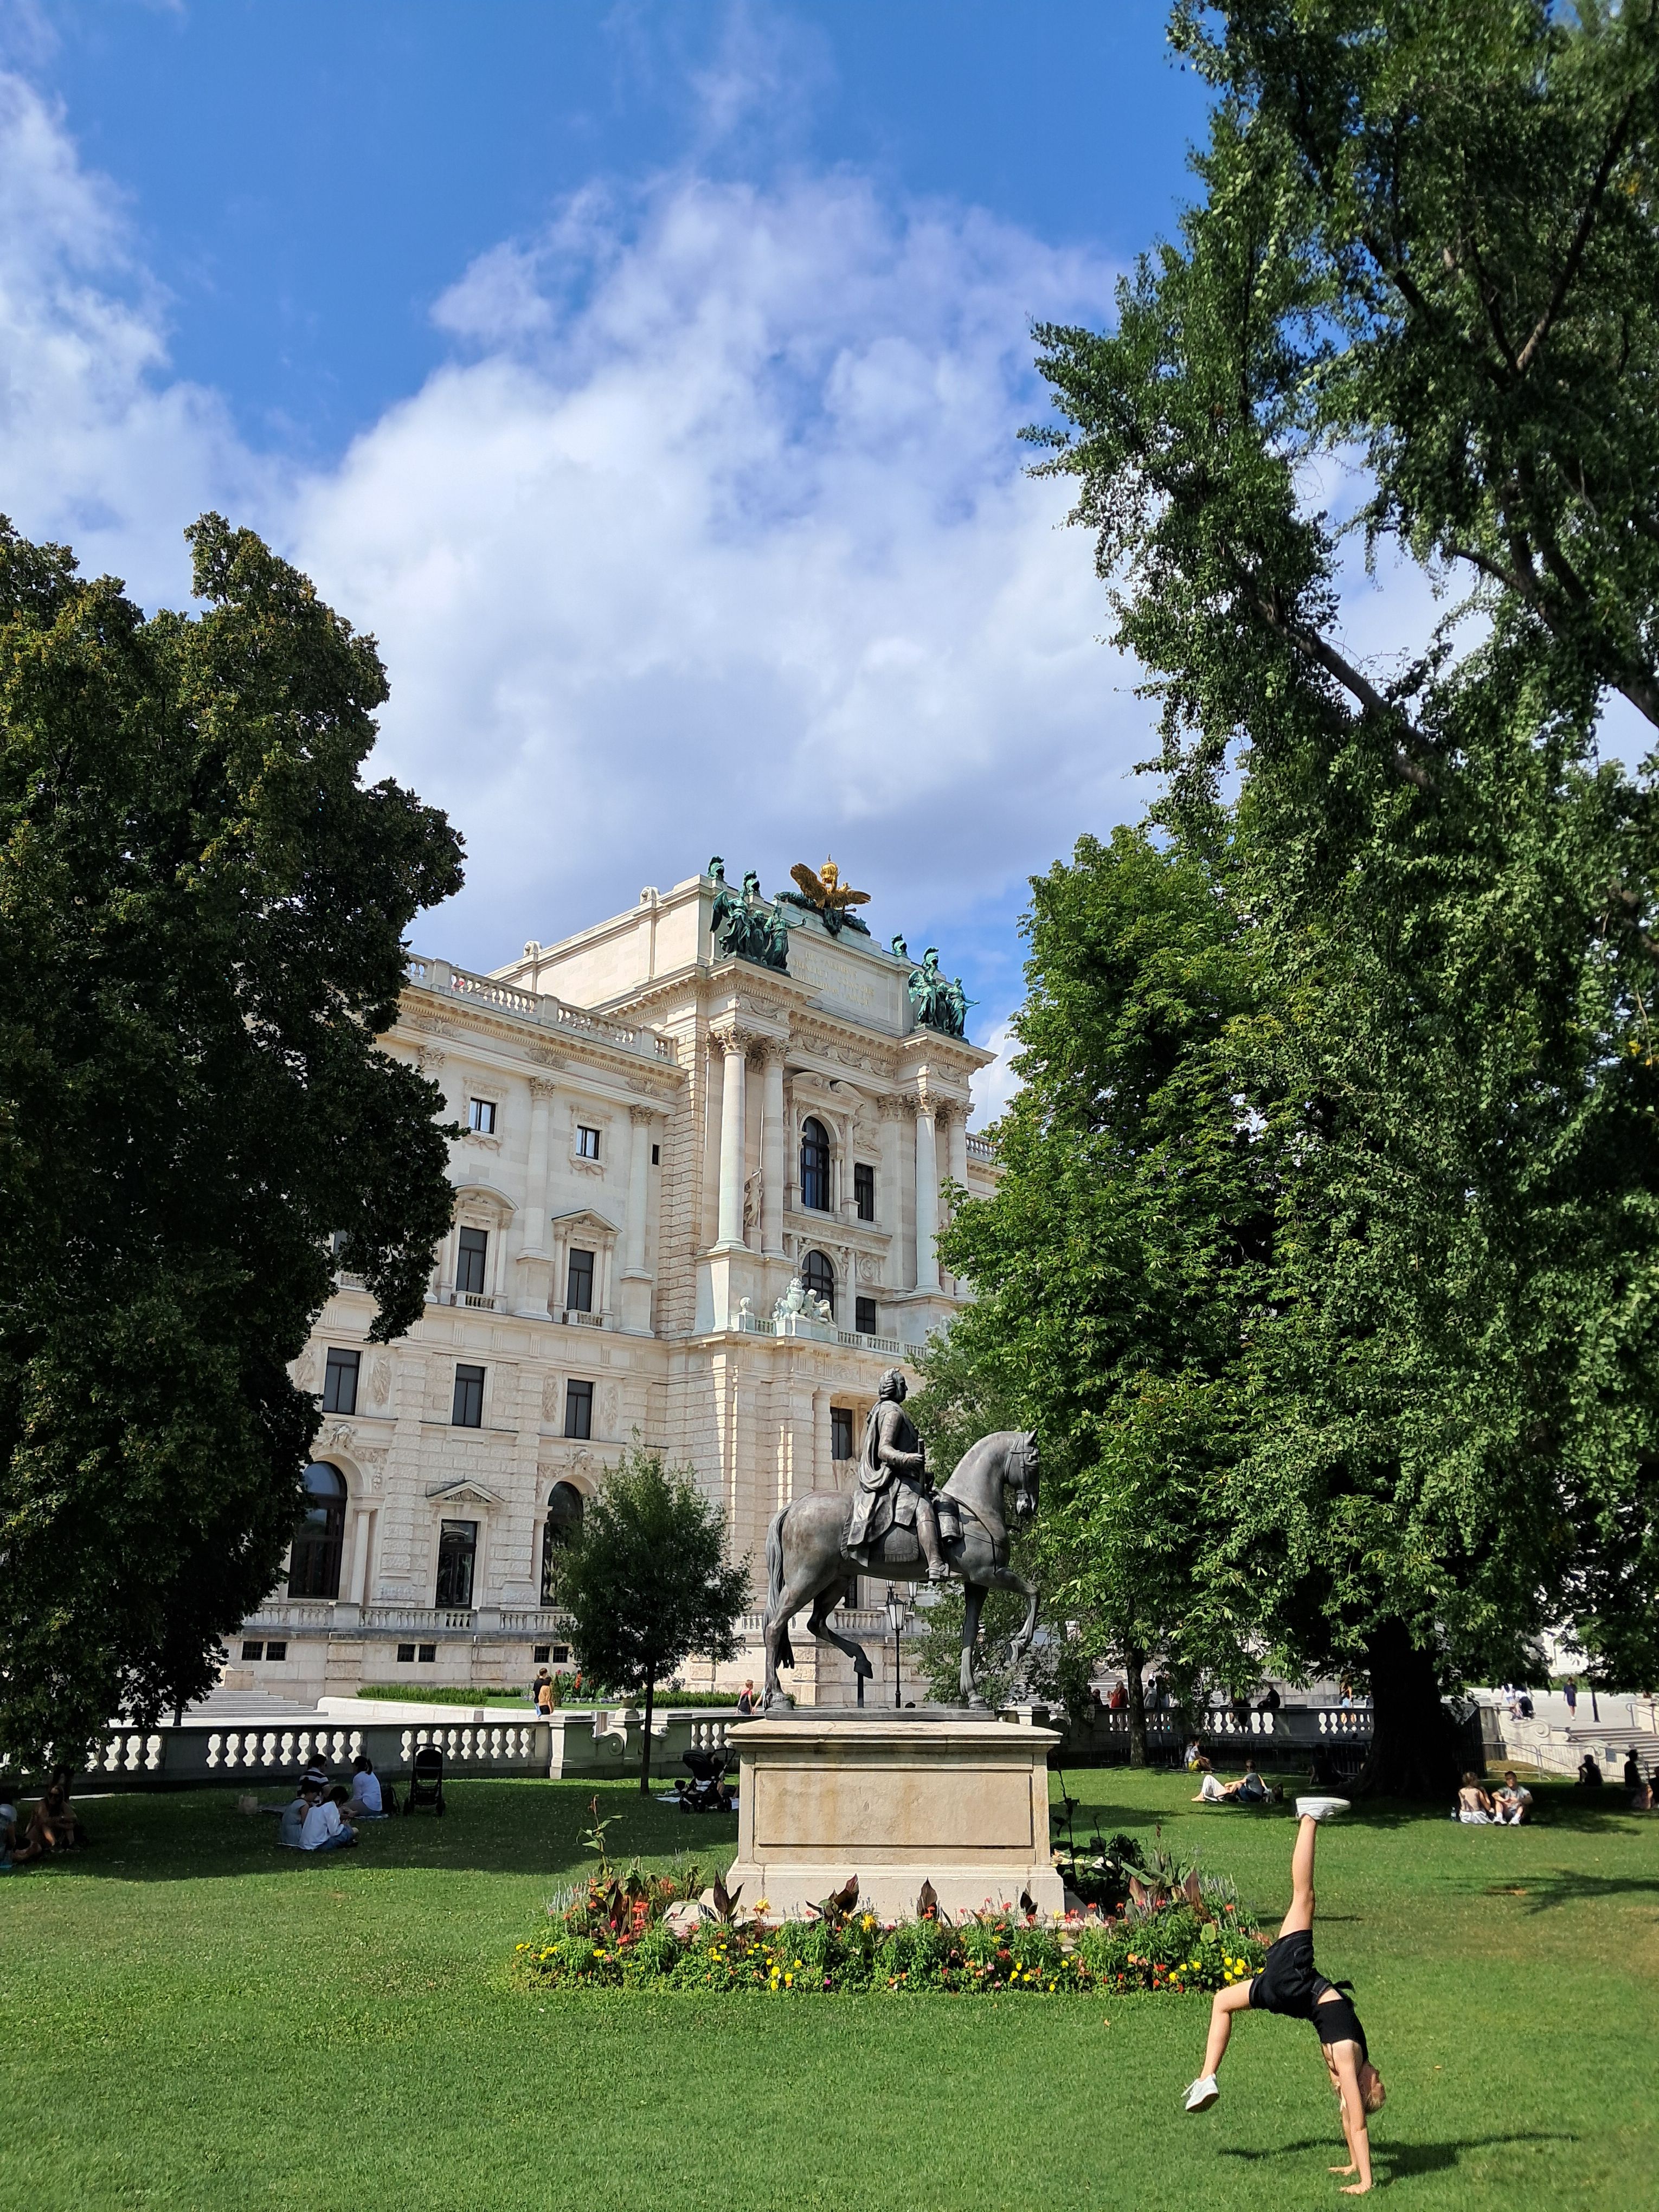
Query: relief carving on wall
x=610, y=1409
x=380, y=1381
x=551, y=1399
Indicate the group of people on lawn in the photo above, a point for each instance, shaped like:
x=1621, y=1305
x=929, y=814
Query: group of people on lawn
x=53, y=1825
x=1248, y=1790
x=1644, y=1794
x=324, y=1815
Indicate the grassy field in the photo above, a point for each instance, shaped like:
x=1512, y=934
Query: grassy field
x=196, y=2020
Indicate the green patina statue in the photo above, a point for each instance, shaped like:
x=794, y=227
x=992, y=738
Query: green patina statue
x=938, y=1000
x=745, y=925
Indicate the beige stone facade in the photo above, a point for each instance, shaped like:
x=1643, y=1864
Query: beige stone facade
x=630, y=1207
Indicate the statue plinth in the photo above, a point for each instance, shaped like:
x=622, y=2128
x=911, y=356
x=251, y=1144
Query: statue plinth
x=897, y=1800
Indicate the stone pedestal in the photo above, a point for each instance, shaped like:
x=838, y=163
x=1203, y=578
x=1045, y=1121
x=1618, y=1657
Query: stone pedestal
x=897, y=1799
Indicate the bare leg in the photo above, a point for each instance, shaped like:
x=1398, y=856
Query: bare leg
x=1300, y=1914
x=1222, y=2006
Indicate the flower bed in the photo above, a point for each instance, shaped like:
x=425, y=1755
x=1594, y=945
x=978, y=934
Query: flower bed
x=616, y=1937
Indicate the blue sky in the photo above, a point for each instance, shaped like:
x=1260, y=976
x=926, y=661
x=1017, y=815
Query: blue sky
x=646, y=377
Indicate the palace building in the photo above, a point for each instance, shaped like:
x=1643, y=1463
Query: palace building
x=659, y=1141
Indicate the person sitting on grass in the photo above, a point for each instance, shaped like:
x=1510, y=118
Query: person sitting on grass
x=1589, y=1774
x=367, y=1802
x=1512, y=1804
x=324, y=1830
x=293, y=1820
x=1252, y=1790
x=1632, y=1774
x=52, y=1827
x=1474, y=1808
x=7, y=1829
x=1290, y=1984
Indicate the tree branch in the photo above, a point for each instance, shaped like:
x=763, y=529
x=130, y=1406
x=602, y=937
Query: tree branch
x=1372, y=704
x=1580, y=238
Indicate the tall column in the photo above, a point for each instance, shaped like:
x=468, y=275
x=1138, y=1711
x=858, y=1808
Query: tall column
x=733, y=1044
x=926, y=1199
x=772, y=1133
x=530, y=1290
x=957, y=1148
x=639, y=1185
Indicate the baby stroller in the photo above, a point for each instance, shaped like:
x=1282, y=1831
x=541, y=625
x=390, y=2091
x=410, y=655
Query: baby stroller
x=426, y=1780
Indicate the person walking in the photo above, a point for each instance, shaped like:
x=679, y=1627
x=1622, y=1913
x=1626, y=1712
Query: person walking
x=1570, y=1691
x=1291, y=1983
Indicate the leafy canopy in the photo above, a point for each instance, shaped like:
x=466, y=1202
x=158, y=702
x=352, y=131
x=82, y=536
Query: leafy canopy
x=201, y=918
x=1409, y=1176
x=647, y=1581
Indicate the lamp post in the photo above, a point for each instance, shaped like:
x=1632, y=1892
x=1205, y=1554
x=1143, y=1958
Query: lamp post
x=896, y=1610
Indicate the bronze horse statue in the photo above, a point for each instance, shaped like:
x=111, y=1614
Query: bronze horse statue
x=807, y=1563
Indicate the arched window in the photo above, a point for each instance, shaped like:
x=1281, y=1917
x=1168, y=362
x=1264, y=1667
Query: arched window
x=313, y=1568
x=560, y=1528
x=818, y=1276
x=815, y=1166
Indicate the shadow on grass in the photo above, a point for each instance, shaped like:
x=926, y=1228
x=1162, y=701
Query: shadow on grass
x=501, y=1827
x=1400, y=2161
x=1565, y=1887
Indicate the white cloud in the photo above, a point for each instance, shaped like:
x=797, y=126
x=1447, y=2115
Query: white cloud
x=722, y=541
x=96, y=447
x=993, y=1086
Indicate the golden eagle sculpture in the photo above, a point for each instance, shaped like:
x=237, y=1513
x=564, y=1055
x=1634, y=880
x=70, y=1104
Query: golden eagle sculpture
x=822, y=892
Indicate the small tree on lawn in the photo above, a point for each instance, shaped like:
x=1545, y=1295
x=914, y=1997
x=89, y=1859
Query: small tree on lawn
x=646, y=1583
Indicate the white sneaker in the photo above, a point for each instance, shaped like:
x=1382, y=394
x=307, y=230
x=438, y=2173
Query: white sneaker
x=1321, y=1808
x=1203, y=2094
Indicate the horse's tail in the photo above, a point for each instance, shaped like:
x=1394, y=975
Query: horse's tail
x=775, y=1585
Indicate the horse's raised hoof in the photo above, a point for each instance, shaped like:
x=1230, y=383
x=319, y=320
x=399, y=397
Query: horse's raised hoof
x=977, y=1705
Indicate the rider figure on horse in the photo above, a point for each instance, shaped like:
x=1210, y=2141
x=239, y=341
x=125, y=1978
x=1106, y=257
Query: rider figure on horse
x=894, y=1490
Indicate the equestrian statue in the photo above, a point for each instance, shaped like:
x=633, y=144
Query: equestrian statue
x=895, y=1523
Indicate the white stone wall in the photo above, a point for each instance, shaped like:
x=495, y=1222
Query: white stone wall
x=634, y=1045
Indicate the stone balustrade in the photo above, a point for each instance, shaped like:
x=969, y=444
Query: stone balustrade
x=548, y=1012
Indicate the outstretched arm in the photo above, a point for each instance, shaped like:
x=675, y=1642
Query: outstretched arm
x=1343, y=2064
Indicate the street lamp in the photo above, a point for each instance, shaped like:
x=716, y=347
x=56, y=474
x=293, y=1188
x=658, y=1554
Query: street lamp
x=895, y=1612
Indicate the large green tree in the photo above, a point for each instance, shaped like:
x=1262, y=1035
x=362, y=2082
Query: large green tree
x=202, y=911
x=1424, y=253
x=1119, y=1267
x=648, y=1582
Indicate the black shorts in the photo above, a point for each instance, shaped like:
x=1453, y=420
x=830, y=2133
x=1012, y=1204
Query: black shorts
x=1292, y=1985
x=1288, y=1982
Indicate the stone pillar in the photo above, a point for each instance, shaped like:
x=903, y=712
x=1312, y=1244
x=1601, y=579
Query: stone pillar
x=957, y=1154
x=639, y=1187
x=926, y=1199
x=635, y=1308
x=733, y=1044
x=772, y=1152
x=530, y=1290
x=888, y=1204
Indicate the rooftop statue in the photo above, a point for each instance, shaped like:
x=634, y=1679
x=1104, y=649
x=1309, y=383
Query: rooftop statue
x=823, y=893
x=746, y=926
x=940, y=1001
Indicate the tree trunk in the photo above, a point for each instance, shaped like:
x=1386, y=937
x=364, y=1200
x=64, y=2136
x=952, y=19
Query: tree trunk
x=1415, y=1745
x=1134, y=1661
x=645, y=1748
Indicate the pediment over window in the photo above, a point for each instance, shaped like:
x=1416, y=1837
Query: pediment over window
x=463, y=1493
x=583, y=1217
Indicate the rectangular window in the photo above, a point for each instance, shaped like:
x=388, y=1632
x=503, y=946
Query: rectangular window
x=579, y=1409
x=560, y=1654
x=656, y=1155
x=587, y=1142
x=253, y=1652
x=427, y=1654
x=457, y=1547
x=841, y=1432
x=864, y=1316
x=405, y=1654
x=470, y=1261
x=579, y=1282
x=275, y=1650
x=340, y=1382
x=481, y=1116
x=864, y=1190
x=538, y=1653
x=467, y=1412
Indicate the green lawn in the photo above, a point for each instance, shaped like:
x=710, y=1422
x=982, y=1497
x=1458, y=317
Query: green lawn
x=194, y=2019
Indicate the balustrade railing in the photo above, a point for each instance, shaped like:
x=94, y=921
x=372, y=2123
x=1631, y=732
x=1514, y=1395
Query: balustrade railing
x=548, y=1012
